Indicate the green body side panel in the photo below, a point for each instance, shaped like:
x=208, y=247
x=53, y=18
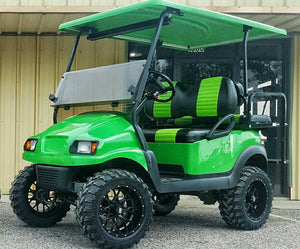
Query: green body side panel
x=116, y=136
x=207, y=100
x=206, y=156
x=197, y=28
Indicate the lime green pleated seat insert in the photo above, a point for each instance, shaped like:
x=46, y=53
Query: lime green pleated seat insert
x=166, y=135
x=163, y=109
x=207, y=100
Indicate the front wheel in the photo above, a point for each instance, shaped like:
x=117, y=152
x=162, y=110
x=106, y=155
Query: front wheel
x=248, y=205
x=34, y=205
x=114, y=208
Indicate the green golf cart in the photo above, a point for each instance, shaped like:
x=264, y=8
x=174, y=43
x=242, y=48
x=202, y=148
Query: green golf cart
x=168, y=138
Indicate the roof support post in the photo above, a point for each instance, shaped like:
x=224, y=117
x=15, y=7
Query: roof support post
x=52, y=96
x=137, y=98
x=246, y=30
x=143, y=78
x=73, y=52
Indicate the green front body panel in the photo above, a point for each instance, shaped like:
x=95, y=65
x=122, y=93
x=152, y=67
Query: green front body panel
x=206, y=156
x=116, y=137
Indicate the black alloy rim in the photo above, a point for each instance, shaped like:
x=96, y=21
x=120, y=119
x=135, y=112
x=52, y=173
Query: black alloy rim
x=121, y=211
x=256, y=199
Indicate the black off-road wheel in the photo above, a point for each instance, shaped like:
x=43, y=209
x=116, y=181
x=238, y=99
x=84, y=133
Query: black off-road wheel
x=164, y=203
x=114, y=209
x=248, y=205
x=36, y=206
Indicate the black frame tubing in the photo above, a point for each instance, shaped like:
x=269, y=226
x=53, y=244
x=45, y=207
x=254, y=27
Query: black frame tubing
x=138, y=98
x=270, y=95
x=73, y=52
x=283, y=123
x=246, y=30
x=68, y=69
x=127, y=29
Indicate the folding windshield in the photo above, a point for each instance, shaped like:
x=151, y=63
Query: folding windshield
x=98, y=85
x=197, y=28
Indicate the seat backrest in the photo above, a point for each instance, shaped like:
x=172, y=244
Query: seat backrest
x=212, y=97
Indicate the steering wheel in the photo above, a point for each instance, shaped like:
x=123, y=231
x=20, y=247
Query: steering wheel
x=157, y=78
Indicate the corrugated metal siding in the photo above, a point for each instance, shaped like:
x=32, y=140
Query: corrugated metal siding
x=295, y=190
x=31, y=67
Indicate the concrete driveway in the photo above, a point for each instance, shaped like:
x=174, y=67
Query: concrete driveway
x=191, y=225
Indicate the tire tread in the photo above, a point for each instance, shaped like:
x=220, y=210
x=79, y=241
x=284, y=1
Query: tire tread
x=231, y=202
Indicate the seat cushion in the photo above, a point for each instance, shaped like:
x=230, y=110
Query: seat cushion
x=176, y=135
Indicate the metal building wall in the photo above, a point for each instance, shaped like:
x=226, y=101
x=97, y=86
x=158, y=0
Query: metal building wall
x=30, y=69
x=295, y=139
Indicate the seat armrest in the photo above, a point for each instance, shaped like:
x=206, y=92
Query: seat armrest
x=213, y=133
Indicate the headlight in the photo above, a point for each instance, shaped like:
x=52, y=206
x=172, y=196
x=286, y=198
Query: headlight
x=30, y=144
x=84, y=147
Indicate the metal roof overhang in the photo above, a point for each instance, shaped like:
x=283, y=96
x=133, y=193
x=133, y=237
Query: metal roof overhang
x=45, y=20
x=197, y=28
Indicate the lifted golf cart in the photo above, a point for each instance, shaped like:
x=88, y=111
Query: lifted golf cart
x=170, y=139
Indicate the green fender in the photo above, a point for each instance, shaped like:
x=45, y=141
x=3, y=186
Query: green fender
x=115, y=135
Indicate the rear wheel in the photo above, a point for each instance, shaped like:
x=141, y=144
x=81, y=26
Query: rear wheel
x=114, y=209
x=165, y=203
x=34, y=205
x=248, y=205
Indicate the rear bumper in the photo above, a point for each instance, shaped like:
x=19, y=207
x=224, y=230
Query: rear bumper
x=56, y=177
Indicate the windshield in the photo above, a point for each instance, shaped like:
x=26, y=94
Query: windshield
x=99, y=85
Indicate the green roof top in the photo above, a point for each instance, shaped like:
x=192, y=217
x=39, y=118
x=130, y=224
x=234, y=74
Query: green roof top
x=196, y=29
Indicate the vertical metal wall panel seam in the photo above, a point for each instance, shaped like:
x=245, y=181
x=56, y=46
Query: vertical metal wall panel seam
x=17, y=58
x=297, y=79
x=295, y=171
x=20, y=22
x=0, y=24
x=57, y=77
x=116, y=52
x=37, y=86
x=94, y=57
x=17, y=111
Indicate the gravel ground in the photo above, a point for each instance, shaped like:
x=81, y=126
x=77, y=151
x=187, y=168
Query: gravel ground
x=191, y=225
